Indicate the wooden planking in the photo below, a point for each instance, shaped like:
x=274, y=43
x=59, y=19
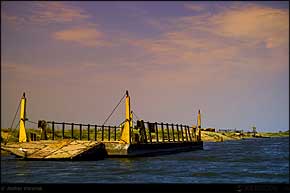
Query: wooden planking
x=49, y=149
x=30, y=147
x=72, y=149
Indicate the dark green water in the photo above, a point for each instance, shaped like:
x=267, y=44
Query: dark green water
x=264, y=160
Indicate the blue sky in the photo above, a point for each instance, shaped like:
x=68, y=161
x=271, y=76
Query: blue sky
x=76, y=59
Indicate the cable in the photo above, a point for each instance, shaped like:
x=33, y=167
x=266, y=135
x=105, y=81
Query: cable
x=11, y=134
x=13, y=122
x=15, y=114
x=32, y=122
x=16, y=126
x=114, y=109
x=135, y=115
x=122, y=123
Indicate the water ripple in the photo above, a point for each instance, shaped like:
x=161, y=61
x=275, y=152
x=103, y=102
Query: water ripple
x=244, y=161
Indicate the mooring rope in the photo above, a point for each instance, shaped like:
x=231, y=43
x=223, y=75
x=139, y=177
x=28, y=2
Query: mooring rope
x=114, y=109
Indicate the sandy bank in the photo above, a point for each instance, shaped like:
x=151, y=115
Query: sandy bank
x=208, y=136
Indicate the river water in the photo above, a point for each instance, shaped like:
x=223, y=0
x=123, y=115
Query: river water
x=263, y=160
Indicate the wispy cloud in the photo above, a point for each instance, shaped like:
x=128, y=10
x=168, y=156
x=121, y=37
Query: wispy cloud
x=74, y=21
x=56, y=12
x=194, y=7
x=44, y=13
x=84, y=36
x=237, y=43
x=254, y=23
x=221, y=38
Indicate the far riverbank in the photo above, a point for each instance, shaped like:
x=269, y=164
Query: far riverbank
x=208, y=136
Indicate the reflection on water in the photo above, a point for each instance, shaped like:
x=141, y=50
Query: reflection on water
x=244, y=161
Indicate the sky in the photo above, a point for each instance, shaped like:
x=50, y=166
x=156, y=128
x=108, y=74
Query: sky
x=75, y=60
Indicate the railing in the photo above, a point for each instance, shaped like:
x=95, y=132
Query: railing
x=151, y=132
x=90, y=132
x=165, y=132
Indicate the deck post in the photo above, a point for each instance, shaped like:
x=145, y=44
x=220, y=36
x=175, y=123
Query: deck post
x=115, y=136
x=88, y=132
x=194, y=133
x=52, y=130
x=182, y=133
x=149, y=131
x=188, y=130
x=72, y=130
x=162, y=129
x=81, y=131
x=177, y=132
x=173, y=132
x=156, y=131
x=185, y=128
x=167, y=127
x=109, y=133
x=22, y=130
x=63, y=130
x=142, y=131
x=95, y=132
x=103, y=132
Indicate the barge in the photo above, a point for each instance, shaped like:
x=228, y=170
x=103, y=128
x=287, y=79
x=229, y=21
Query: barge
x=76, y=141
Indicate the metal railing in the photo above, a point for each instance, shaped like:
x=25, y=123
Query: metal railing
x=90, y=132
x=165, y=132
x=152, y=133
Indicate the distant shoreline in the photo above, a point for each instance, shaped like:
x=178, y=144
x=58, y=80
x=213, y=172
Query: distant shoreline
x=209, y=136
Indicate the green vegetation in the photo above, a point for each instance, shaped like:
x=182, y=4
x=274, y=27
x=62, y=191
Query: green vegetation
x=223, y=136
x=12, y=134
x=279, y=134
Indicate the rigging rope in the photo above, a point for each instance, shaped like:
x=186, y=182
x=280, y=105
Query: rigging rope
x=13, y=122
x=114, y=109
x=11, y=133
x=135, y=115
x=32, y=122
x=15, y=115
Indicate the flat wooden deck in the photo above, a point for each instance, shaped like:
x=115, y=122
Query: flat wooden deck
x=57, y=150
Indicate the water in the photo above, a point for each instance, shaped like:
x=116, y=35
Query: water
x=246, y=161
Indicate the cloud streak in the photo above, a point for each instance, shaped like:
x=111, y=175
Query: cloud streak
x=194, y=7
x=220, y=38
x=57, y=12
x=44, y=13
x=84, y=36
x=254, y=23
